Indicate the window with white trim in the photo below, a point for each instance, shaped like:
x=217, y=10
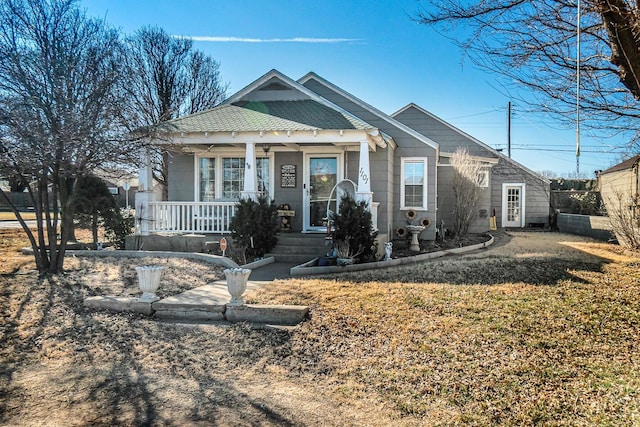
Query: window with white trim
x=262, y=170
x=483, y=178
x=232, y=177
x=231, y=182
x=413, y=186
x=207, y=179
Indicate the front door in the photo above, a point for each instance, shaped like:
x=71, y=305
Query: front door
x=321, y=176
x=513, y=205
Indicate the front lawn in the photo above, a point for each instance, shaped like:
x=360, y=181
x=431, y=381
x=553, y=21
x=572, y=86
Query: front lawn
x=541, y=329
x=535, y=331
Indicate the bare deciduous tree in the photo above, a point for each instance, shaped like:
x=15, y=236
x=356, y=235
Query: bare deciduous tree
x=59, y=111
x=466, y=191
x=624, y=215
x=534, y=45
x=166, y=79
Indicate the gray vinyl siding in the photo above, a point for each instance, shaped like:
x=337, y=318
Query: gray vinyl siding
x=446, y=202
x=537, y=192
x=381, y=168
x=181, y=177
x=447, y=138
x=384, y=181
x=290, y=196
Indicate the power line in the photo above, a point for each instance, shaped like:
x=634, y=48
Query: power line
x=564, y=150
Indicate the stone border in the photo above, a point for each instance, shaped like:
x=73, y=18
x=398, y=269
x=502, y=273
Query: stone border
x=281, y=315
x=208, y=258
x=308, y=268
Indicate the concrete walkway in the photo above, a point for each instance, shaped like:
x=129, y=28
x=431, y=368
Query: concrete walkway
x=211, y=302
x=270, y=272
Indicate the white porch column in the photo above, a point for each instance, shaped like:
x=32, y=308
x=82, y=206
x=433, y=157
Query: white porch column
x=250, y=174
x=364, y=175
x=145, y=194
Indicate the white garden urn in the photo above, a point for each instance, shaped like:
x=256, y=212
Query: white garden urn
x=237, y=279
x=149, y=281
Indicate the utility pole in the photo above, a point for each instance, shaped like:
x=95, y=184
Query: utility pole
x=509, y=129
x=578, y=95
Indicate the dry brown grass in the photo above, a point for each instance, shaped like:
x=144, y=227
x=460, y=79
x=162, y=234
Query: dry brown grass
x=541, y=329
x=10, y=216
x=538, y=330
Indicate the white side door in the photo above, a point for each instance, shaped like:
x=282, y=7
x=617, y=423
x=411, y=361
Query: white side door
x=513, y=205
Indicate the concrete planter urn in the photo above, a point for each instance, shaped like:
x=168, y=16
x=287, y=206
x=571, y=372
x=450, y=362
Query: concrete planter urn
x=237, y=279
x=149, y=281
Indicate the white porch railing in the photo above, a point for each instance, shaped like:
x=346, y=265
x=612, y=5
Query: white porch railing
x=190, y=217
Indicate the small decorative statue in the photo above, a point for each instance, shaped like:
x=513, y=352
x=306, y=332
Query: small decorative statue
x=388, y=247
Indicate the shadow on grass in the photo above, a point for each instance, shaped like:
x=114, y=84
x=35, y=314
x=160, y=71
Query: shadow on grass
x=115, y=369
x=474, y=271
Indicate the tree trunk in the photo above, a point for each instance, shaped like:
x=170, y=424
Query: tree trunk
x=94, y=226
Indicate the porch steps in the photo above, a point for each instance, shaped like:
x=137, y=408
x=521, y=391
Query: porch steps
x=296, y=247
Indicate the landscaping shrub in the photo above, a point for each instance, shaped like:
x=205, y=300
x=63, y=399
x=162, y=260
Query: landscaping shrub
x=94, y=205
x=119, y=226
x=354, y=225
x=254, y=226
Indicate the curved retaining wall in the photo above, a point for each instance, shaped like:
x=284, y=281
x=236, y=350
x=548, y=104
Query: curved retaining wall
x=309, y=268
x=212, y=259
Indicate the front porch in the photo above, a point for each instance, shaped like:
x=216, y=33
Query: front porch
x=190, y=217
x=198, y=217
x=309, y=180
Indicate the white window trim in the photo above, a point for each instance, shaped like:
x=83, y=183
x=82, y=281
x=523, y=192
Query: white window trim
x=484, y=172
x=404, y=160
x=523, y=188
x=219, y=173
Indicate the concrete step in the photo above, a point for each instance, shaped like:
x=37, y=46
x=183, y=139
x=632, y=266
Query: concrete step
x=293, y=258
x=301, y=239
x=298, y=247
x=280, y=249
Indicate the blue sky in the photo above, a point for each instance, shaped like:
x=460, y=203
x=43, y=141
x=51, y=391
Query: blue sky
x=371, y=49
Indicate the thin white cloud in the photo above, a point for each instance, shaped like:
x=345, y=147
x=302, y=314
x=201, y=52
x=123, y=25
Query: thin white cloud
x=223, y=39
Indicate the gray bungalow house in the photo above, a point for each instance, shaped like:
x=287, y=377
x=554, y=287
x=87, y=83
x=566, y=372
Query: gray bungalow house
x=296, y=140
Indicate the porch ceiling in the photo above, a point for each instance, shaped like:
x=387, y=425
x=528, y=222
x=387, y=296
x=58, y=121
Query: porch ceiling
x=278, y=141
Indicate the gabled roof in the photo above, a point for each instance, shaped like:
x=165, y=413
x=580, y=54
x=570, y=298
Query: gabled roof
x=370, y=108
x=471, y=138
x=447, y=124
x=627, y=164
x=275, y=77
x=267, y=116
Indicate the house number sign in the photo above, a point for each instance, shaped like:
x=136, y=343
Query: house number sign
x=288, y=176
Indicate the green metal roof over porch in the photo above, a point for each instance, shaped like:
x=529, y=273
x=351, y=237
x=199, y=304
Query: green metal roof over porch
x=271, y=116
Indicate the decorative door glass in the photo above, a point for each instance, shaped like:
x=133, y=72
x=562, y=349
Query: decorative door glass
x=323, y=176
